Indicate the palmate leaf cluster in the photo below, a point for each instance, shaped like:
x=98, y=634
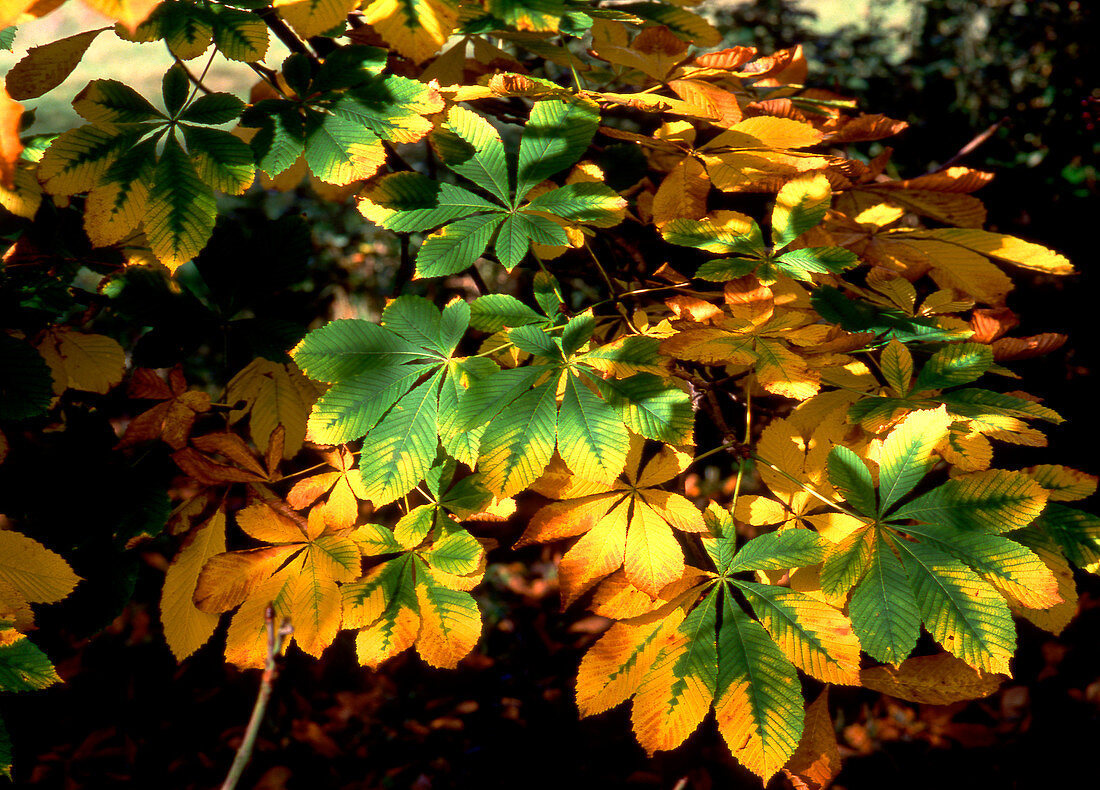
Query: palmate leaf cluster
x=621, y=255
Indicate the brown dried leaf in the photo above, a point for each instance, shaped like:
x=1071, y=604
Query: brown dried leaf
x=1011, y=348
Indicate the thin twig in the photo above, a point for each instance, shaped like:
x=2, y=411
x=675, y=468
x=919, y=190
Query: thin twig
x=275, y=639
x=284, y=33
x=973, y=144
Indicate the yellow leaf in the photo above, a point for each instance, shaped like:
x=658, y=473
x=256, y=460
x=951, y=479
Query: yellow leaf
x=36, y=573
x=708, y=101
x=92, y=363
x=263, y=522
x=313, y=17
x=45, y=67
x=186, y=628
x=613, y=668
x=1063, y=483
x=130, y=13
x=274, y=394
x=598, y=553
x=384, y=639
x=315, y=602
x=15, y=608
x=113, y=211
x=683, y=193
x=1008, y=249
x=25, y=195
x=934, y=680
x=668, y=707
x=416, y=30
x=764, y=131
x=450, y=623
x=227, y=579
x=1057, y=617
x=246, y=640
x=653, y=556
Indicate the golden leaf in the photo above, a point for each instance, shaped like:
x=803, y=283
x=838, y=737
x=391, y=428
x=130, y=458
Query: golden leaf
x=935, y=680
x=92, y=363
x=187, y=628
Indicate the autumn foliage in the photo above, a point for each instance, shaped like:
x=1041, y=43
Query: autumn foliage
x=625, y=252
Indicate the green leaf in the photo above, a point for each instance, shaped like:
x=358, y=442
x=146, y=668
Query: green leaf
x=851, y=477
x=461, y=443
x=349, y=347
x=846, y=563
x=213, y=109
x=493, y=312
x=399, y=451
x=973, y=402
x=26, y=386
x=705, y=234
x=413, y=527
x=1075, y=531
x=907, y=454
x=240, y=35
x=457, y=246
x=724, y=269
x=350, y=66
x=340, y=151
x=1004, y=563
x=883, y=609
x=23, y=667
x=223, y=161
x=518, y=444
x=77, y=159
x=417, y=320
x=174, y=89
x=961, y=611
x=392, y=107
x=823, y=260
x=758, y=700
x=650, y=406
x=956, y=364
x=354, y=406
x=592, y=439
x=413, y=202
x=991, y=501
x=578, y=331
x=458, y=553
x=187, y=29
x=469, y=145
x=280, y=140
x=181, y=209
x=806, y=630
x=588, y=202
x=556, y=135
x=110, y=102
x=781, y=550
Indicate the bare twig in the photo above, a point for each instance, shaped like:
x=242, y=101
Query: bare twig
x=284, y=33
x=969, y=148
x=275, y=639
